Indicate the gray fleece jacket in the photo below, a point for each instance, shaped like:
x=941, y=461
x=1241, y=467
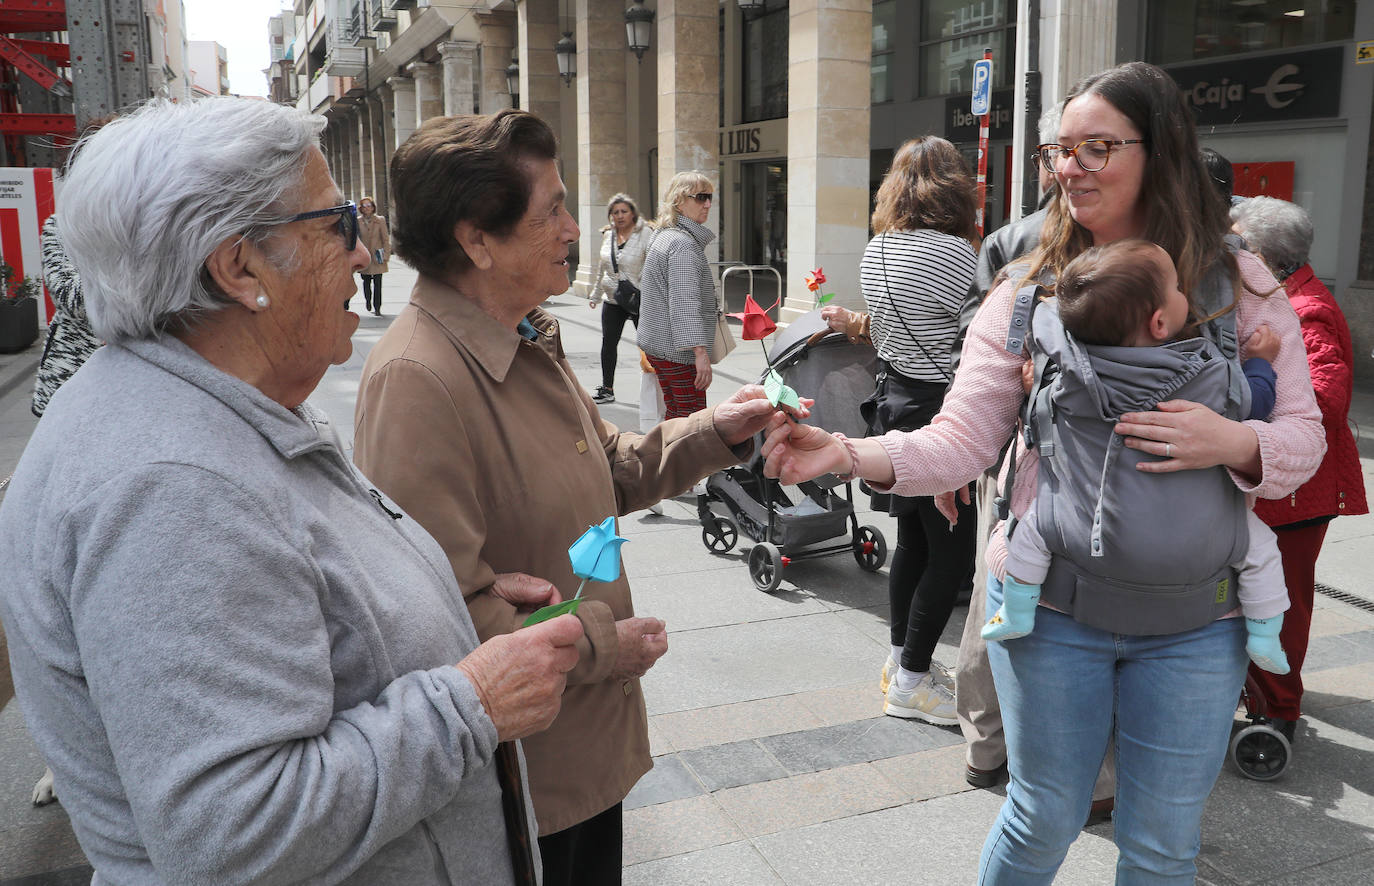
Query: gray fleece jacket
x=237, y=662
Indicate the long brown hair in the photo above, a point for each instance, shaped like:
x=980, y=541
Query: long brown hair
x=1184, y=212
x=928, y=187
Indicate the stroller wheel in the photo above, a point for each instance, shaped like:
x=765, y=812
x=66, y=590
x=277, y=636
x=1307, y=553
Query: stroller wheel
x=765, y=566
x=720, y=536
x=1260, y=752
x=870, y=549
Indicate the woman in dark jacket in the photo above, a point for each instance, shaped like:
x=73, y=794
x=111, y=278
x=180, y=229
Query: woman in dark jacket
x=1281, y=234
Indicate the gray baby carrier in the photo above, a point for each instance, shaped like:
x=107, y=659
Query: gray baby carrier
x=1132, y=552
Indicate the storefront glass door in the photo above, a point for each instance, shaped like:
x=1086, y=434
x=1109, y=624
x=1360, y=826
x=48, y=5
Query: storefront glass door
x=763, y=222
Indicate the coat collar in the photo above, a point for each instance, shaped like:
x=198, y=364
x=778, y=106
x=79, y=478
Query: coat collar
x=1295, y=281
x=473, y=330
x=291, y=432
x=699, y=233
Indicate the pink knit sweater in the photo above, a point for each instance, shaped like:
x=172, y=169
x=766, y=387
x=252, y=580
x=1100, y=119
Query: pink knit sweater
x=982, y=407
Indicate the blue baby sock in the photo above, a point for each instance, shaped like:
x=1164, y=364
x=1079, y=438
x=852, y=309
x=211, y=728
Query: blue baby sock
x=1262, y=644
x=1016, y=618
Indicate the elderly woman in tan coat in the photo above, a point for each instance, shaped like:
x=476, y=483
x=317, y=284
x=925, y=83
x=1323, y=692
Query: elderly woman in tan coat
x=376, y=237
x=471, y=418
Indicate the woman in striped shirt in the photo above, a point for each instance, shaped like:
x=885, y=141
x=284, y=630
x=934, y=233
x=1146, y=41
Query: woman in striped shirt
x=914, y=276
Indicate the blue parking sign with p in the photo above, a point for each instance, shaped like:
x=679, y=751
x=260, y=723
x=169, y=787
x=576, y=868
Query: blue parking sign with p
x=982, y=86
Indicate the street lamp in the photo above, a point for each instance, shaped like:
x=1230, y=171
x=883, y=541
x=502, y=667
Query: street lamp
x=639, y=26
x=513, y=79
x=748, y=6
x=566, y=50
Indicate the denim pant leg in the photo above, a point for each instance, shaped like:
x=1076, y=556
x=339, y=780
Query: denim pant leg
x=1178, y=697
x=1057, y=688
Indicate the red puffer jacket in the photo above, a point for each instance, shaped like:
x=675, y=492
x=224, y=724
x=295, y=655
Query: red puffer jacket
x=1338, y=486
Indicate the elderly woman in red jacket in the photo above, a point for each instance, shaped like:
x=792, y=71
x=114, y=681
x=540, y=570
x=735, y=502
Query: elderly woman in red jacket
x=1281, y=234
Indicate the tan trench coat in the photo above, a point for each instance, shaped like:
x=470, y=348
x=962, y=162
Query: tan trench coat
x=375, y=235
x=488, y=440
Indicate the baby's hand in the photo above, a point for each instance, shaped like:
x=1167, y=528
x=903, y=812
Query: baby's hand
x=1263, y=343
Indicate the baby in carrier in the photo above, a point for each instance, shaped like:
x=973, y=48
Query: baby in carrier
x=1099, y=303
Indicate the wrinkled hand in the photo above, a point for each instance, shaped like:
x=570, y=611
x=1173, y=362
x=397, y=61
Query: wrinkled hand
x=795, y=452
x=526, y=592
x=836, y=317
x=1188, y=436
x=944, y=503
x=1263, y=343
x=703, y=367
x=748, y=411
x=642, y=642
x=520, y=677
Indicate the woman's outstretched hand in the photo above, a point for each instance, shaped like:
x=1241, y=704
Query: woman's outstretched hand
x=795, y=452
x=1189, y=436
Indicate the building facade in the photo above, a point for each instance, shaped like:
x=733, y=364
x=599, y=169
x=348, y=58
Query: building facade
x=209, y=65
x=794, y=109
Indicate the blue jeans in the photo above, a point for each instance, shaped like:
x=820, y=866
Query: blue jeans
x=1172, y=699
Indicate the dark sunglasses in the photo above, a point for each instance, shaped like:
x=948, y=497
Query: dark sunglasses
x=703, y=197
x=348, y=221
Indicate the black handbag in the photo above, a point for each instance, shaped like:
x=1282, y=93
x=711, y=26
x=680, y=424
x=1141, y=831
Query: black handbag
x=626, y=293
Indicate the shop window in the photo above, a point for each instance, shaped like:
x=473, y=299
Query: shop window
x=884, y=26
x=954, y=34
x=764, y=67
x=1185, y=30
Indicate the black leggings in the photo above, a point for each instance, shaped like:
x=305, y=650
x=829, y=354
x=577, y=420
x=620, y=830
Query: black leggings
x=586, y=854
x=372, y=291
x=613, y=318
x=929, y=566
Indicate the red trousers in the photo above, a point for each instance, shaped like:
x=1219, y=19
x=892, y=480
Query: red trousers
x=678, y=382
x=1299, y=549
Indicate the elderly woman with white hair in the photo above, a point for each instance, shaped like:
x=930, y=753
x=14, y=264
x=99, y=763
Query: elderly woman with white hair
x=678, y=307
x=226, y=689
x=1281, y=234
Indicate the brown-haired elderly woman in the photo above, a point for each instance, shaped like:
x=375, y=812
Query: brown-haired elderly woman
x=243, y=663
x=471, y=418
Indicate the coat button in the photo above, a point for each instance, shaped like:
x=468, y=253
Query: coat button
x=626, y=687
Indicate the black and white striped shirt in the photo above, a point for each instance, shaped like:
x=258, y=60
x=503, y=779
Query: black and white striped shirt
x=920, y=277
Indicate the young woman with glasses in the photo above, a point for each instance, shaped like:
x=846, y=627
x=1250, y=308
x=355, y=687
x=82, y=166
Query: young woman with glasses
x=1128, y=165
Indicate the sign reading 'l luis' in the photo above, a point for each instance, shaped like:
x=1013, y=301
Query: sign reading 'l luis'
x=1286, y=86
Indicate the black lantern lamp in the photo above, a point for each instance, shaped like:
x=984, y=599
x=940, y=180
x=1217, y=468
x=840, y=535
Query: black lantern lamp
x=639, y=26
x=566, y=50
x=513, y=79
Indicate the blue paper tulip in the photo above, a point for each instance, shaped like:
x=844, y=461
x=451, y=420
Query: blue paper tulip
x=595, y=555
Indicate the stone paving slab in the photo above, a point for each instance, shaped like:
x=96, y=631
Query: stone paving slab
x=738, y=863
x=676, y=828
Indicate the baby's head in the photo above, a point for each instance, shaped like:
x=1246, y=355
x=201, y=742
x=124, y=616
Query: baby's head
x=1123, y=293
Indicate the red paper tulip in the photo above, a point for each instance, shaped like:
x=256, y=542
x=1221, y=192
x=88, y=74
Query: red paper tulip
x=815, y=279
x=757, y=323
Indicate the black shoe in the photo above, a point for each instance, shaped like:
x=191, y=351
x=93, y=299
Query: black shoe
x=1289, y=728
x=1100, y=811
x=603, y=395
x=985, y=778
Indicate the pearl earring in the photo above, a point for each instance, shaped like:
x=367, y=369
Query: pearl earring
x=263, y=301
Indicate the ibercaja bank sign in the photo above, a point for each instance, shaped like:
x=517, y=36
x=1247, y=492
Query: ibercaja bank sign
x=1282, y=86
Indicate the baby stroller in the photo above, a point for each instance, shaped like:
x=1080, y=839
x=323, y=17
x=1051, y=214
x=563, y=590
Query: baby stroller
x=1259, y=750
x=816, y=363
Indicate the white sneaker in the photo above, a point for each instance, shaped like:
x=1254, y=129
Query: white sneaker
x=943, y=675
x=928, y=700
x=656, y=509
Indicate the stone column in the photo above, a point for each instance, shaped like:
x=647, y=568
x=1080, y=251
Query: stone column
x=539, y=81
x=497, y=32
x=367, y=178
x=689, y=96
x=429, y=95
x=385, y=129
x=829, y=53
x=353, y=132
x=402, y=108
x=381, y=156
x=459, y=59
x=602, y=161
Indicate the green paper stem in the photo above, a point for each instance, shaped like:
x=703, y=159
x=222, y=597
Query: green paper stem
x=548, y=612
